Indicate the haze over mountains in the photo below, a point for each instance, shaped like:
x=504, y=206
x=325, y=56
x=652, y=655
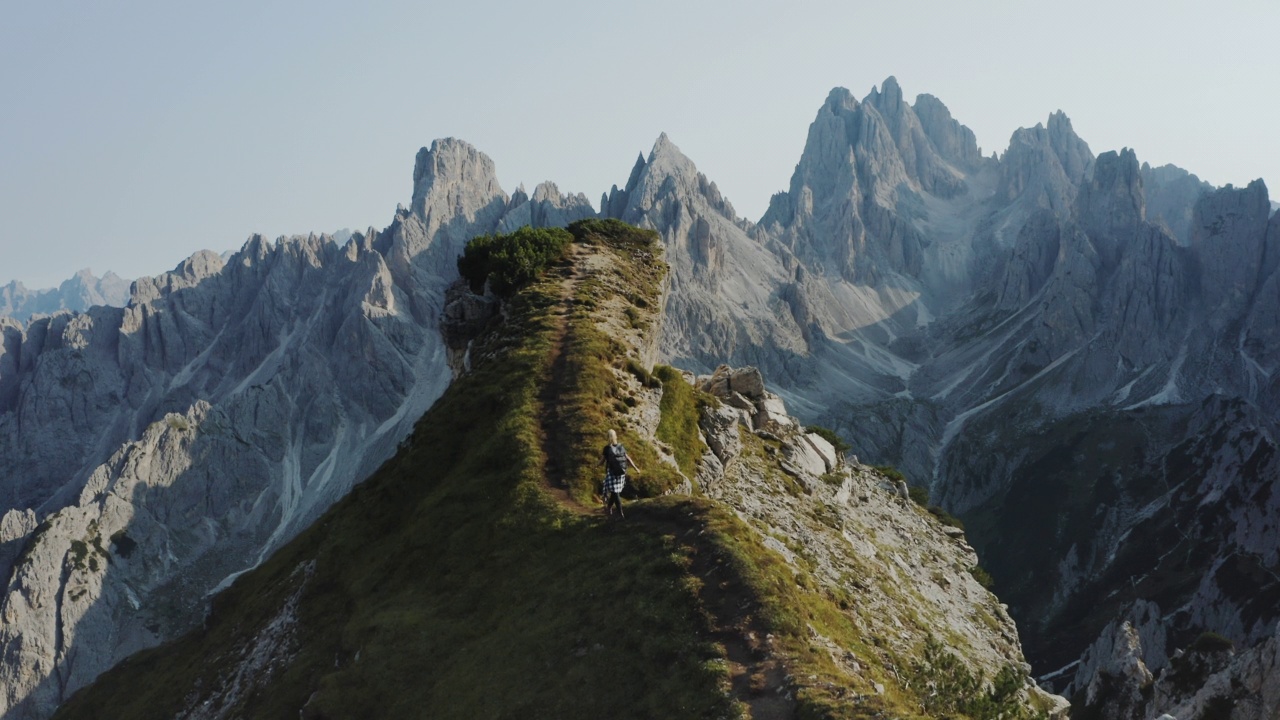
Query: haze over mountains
x=1077, y=353
x=80, y=292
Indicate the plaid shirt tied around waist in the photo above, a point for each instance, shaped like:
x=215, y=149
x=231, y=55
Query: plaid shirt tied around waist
x=614, y=483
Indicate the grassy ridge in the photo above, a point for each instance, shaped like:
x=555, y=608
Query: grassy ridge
x=450, y=585
x=589, y=391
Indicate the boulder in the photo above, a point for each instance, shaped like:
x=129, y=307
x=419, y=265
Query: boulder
x=771, y=414
x=748, y=381
x=727, y=381
x=824, y=449
x=803, y=456
x=718, y=383
x=720, y=428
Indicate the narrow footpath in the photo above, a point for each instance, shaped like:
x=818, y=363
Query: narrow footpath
x=757, y=676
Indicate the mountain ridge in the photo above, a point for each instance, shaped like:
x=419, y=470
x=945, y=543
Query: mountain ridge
x=469, y=502
x=936, y=306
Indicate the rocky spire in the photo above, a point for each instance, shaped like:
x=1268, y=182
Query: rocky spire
x=456, y=195
x=861, y=163
x=452, y=169
x=1044, y=167
x=1171, y=194
x=954, y=142
x=1111, y=202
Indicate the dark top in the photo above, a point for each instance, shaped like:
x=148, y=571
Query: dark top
x=615, y=460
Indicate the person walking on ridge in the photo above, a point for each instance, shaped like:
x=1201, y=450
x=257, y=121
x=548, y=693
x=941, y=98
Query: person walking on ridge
x=615, y=468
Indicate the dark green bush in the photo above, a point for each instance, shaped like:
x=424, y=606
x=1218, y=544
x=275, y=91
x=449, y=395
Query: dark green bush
x=830, y=436
x=511, y=261
x=983, y=577
x=890, y=472
x=1210, y=642
x=956, y=690
x=919, y=495
x=125, y=545
x=945, y=517
x=79, y=550
x=592, y=230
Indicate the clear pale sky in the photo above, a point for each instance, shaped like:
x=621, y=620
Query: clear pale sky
x=133, y=133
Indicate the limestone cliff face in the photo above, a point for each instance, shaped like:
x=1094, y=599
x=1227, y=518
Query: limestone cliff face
x=547, y=208
x=1171, y=197
x=1045, y=165
x=850, y=203
x=165, y=446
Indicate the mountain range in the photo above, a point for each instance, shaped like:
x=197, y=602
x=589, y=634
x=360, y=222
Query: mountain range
x=1075, y=353
x=78, y=293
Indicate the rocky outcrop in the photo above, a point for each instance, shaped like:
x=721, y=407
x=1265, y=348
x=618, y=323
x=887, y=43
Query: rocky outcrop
x=79, y=293
x=464, y=318
x=863, y=164
x=1171, y=194
x=908, y=576
x=1131, y=676
x=1229, y=240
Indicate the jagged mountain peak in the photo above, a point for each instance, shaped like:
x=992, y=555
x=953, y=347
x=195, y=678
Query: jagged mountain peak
x=1044, y=166
x=886, y=98
x=667, y=172
x=954, y=142
x=667, y=158
x=451, y=162
x=1059, y=122
x=840, y=98
x=548, y=207
x=1217, y=212
x=1171, y=195
x=1112, y=202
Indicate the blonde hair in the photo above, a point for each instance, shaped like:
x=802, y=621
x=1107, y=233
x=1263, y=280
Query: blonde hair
x=613, y=437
